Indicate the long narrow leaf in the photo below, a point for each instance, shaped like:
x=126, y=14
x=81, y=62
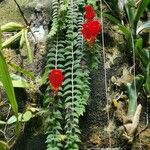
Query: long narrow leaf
x=132, y=93
x=141, y=53
x=147, y=85
x=22, y=39
x=4, y=146
x=11, y=39
x=111, y=18
x=122, y=28
x=26, y=72
x=11, y=27
x=18, y=81
x=0, y=40
x=125, y=31
x=142, y=7
x=29, y=50
x=6, y=80
x=130, y=10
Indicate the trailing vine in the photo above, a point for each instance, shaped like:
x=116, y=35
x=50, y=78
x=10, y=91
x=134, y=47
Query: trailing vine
x=55, y=10
x=66, y=52
x=72, y=88
x=54, y=104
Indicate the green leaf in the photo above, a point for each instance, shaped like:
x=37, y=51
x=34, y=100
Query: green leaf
x=139, y=43
x=0, y=40
x=132, y=93
x=4, y=146
x=111, y=18
x=130, y=10
x=11, y=39
x=147, y=51
x=25, y=117
x=80, y=111
x=67, y=87
x=22, y=117
x=18, y=81
x=68, y=73
x=11, y=27
x=141, y=53
x=67, y=92
x=125, y=31
x=68, y=104
x=140, y=10
x=67, y=81
x=68, y=99
x=7, y=83
x=122, y=28
x=22, y=70
x=29, y=50
x=51, y=55
x=2, y=122
x=147, y=84
x=12, y=120
x=68, y=64
x=60, y=59
x=22, y=39
x=45, y=76
x=144, y=26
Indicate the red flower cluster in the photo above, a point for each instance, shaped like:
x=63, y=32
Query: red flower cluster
x=56, y=78
x=90, y=14
x=92, y=27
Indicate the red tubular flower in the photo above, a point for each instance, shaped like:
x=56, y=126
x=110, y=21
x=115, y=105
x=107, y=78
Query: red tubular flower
x=90, y=14
x=90, y=30
x=55, y=79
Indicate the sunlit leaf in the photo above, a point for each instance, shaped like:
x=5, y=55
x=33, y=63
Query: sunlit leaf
x=2, y=122
x=25, y=117
x=22, y=39
x=144, y=26
x=29, y=50
x=132, y=93
x=130, y=10
x=11, y=39
x=12, y=120
x=27, y=73
x=140, y=10
x=22, y=117
x=4, y=146
x=18, y=81
x=141, y=53
x=11, y=27
x=7, y=83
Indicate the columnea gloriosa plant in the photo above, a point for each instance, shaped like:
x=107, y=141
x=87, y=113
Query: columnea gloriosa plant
x=56, y=78
x=92, y=27
x=90, y=14
x=66, y=51
x=73, y=50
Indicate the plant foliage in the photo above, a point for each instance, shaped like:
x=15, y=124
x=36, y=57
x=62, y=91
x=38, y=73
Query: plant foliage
x=134, y=43
x=66, y=52
x=6, y=80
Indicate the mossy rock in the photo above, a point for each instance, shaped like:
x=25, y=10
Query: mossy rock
x=9, y=11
